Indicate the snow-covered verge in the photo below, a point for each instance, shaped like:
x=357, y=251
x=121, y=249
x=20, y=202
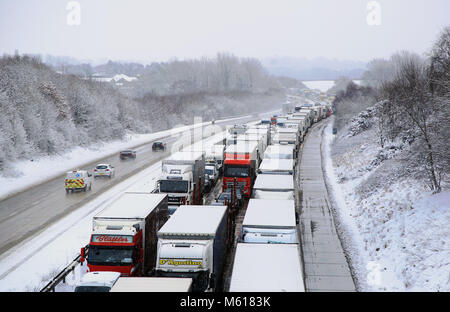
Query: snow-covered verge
x=395, y=232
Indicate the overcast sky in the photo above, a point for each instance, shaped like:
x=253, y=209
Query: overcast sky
x=150, y=30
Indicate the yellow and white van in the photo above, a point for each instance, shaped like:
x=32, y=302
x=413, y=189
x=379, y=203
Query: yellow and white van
x=78, y=180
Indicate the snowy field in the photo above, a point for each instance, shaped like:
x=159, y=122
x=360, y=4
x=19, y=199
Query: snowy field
x=31, y=266
x=398, y=236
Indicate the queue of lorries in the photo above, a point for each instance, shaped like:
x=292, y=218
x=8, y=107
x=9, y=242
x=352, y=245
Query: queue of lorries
x=167, y=239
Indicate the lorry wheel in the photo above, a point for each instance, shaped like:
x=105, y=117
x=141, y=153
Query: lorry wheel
x=85, y=188
x=67, y=191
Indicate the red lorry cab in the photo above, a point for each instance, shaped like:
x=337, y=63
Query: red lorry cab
x=240, y=164
x=123, y=235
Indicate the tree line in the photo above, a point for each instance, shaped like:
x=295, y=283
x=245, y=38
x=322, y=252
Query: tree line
x=45, y=112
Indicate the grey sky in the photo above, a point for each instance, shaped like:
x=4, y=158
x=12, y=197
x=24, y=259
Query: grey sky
x=159, y=30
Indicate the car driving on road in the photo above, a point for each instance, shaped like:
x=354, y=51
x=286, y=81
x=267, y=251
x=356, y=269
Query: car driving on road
x=159, y=146
x=104, y=170
x=127, y=154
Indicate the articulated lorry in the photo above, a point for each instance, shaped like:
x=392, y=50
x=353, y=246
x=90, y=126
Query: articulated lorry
x=240, y=164
x=193, y=244
x=270, y=221
x=183, y=178
x=123, y=235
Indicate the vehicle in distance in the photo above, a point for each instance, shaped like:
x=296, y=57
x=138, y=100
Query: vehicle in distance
x=78, y=180
x=104, y=170
x=127, y=154
x=159, y=146
x=97, y=282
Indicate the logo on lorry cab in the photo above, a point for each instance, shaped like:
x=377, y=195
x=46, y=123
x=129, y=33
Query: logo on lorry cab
x=174, y=262
x=118, y=239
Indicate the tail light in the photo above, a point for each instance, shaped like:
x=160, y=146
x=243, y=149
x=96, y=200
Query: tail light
x=107, y=170
x=95, y=169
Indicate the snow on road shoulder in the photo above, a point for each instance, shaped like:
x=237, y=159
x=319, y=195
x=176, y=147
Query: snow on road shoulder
x=398, y=237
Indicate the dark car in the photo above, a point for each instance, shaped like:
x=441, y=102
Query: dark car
x=127, y=154
x=159, y=146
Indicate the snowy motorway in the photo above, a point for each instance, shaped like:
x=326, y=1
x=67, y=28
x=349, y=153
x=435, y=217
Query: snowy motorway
x=43, y=228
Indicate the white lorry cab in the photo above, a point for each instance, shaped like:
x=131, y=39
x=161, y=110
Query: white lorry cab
x=212, y=173
x=97, y=281
x=78, y=180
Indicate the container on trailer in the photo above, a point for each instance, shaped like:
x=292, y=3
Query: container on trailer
x=267, y=268
x=277, y=151
x=193, y=244
x=276, y=183
x=277, y=166
x=270, y=221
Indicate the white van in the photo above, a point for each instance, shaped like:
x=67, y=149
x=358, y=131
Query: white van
x=78, y=180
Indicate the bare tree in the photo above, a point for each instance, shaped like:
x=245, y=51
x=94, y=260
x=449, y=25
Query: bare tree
x=409, y=93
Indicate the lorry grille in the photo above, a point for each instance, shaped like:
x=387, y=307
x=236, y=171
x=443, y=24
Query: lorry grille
x=238, y=184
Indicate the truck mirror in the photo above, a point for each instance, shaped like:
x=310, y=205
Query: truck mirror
x=82, y=258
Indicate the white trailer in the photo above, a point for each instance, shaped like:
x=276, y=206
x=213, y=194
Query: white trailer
x=255, y=138
x=270, y=221
x=152, y=284
x=267, y=268
x=193, y=244
x=274, y=186
x=277, y=166
x=278, y=151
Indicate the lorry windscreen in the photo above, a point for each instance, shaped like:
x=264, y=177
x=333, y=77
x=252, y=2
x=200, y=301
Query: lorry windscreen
x=209, y=171
x=110, y=255
x=236, y=171
x=173, y=186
